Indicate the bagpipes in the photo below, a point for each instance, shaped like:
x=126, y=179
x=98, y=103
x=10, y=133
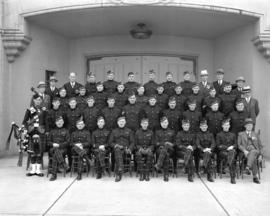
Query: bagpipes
x=22, y=137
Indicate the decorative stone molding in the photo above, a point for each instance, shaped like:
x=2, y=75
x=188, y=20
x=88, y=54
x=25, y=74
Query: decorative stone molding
x=262, y=42
x=14, y=42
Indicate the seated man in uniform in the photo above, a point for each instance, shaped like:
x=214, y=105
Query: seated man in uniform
x=58, y=141
x=205, y=143
x=100, y=139
x=250, y=144
x=226, y=149
x=144, y=147
x=122, y=142
x=185, y=145
x=164, y=138
x=80, y=142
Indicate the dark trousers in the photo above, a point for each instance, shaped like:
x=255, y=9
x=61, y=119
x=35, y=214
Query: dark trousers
x=187, y=155
x=227, y=158
x=208, y=161
x=100, y=159
x=58, y=158
x=164, y=154
x=82, y=155
x=144, y=161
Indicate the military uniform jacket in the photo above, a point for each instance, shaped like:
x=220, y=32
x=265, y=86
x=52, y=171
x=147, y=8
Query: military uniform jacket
x=100, y=137
x=237, y=121
x=225, y=140
x=72, y=116
x=110, y=116
x=199, y=100
x=187, y=87
x=153, y=114
x=180, y=102
x=110, y=86
x=64, y=103
x=227, y=103
x=162, y=100
x=237, y=92
x=184, y=139
x=208, y=101
x=133, y=113
x=169, y=87
x=246, y=142
x=81, y=136
x=121, y=99
x=150, y=88
x=81, y=102
x=175, y=117
x=194, y=117
x=90, y=115
x=123, y=137
x=131, y=87
x=100, y=99
x=72, y=92
x=51, y=116
x=141, y=100
x=60, y=136
x=164, y=135
x=144, y=139
x=214, y=120
x=205, y=140
x=90, y=88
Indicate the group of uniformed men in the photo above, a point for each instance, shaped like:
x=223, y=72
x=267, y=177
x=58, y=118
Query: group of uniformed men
x=202, y=123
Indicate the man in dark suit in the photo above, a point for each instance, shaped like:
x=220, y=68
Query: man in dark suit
x=46, y=101
x=51, y=90
x=204, y=84
x=251, y=105
x=240, y=81
x=72, y=87
x=219, y=83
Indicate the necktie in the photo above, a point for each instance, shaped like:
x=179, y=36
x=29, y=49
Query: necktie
x=219, y=82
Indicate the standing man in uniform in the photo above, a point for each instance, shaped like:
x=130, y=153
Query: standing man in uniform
x=151, y=86
x=162, y=98
x=227, y=100
x=120, y=96
x=186, y=84
x=169, y=85
x=46, y=101
x=72, y=87
x=240, y=82
x=91, y=84
x=110, y=84
x=90, y=114
x=100, y=96
x=131, y=85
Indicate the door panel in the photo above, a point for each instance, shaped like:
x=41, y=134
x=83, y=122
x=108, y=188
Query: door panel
x=141, y=65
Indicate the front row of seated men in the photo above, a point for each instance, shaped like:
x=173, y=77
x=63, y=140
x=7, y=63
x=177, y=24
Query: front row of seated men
x=163, y=146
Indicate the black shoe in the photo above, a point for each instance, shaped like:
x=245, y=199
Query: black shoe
x=30, y=174
x=141, y=177
x=256, y=180
x=233, y=181
x=210, y=178
x=99, y=175
x=53, y=178
x=40, y=174
x=190, y=178
x=68, y=170
x=118, y=178
x=79, y=177
x=166, y=178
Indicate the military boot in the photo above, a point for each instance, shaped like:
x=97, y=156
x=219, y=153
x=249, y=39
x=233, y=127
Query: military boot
x=53, y=177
